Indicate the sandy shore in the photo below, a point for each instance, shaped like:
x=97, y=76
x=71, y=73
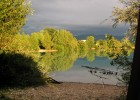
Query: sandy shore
x=66, y=91
x=42, y=50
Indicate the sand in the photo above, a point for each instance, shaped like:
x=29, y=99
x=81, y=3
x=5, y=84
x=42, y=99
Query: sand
x=66, y=91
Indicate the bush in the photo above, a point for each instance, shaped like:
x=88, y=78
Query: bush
x=19, y=70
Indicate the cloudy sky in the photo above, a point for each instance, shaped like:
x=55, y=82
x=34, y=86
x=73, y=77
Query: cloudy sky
x=70, y=14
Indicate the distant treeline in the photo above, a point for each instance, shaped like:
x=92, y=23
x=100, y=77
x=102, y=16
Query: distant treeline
x=63, y=40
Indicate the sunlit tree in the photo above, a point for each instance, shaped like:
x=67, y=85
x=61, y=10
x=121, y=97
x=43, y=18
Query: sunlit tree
x=12, y=18
x=130, y=14
x=90, y=41
x=127, y=14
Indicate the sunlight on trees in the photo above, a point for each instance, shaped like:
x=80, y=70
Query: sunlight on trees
x=13, y=17
x=127, y=14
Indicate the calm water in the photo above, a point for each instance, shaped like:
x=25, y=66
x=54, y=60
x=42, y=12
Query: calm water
x=84, y=75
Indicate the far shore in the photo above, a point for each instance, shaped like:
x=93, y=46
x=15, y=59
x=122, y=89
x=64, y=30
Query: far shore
x=43, y=50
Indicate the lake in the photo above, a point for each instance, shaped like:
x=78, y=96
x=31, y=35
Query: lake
x=94, y=73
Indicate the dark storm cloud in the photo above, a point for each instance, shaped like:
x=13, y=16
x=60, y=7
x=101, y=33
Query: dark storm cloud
x=63, y=13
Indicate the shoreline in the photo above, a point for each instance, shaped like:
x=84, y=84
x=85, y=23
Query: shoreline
x=52, y=80
x=66, y=91
x=43, y=50
x=90, y=83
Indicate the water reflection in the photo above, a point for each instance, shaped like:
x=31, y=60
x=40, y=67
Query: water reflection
x=94, y=70
x=56, y=61
x=124, y=65
x=102, y=72
x=66, y=66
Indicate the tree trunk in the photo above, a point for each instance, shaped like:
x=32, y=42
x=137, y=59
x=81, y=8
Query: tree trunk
x=134, y=84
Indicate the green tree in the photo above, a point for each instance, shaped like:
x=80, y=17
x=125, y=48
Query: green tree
x=114, y=45
x=101, y=45
x=12, y=18
x=40, y=40
x=128, y=14
x=34, y=41
x=134, y=83
x=13, y=15
x=90, y=55
x=82, y=49
x=90, y=42
x=62, y=39
x=44, y=40
x=127, y=45
x=47, y=40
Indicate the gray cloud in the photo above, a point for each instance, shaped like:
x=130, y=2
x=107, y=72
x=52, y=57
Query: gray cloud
x=60, y=13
